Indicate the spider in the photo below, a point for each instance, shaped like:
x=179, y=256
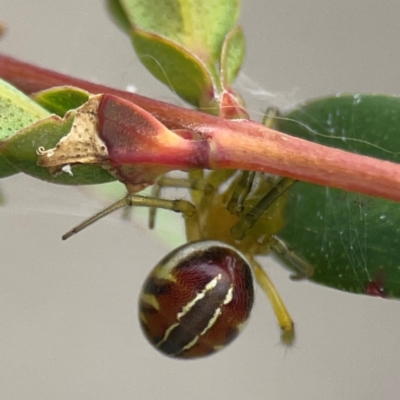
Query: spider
x=198, y=298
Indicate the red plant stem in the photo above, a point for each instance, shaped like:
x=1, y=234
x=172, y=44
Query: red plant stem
x=239, y=144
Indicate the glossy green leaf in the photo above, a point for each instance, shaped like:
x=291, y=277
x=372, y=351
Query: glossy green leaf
x=20, y=150
x=16, y=112
x=60, y=100
x=353, y=241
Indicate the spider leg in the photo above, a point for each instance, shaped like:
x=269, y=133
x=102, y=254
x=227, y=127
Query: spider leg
x=303, y=268
x=187, y=209
x=284, y=319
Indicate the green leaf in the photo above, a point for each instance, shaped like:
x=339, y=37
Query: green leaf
x=200, y=26
x=25, y=126
x=118, y=14
x=60, y=100
x=232, y=55
x=20, y=151
x=353, y=241
x=182, y=43
x=16, y=112
x=174, y=66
